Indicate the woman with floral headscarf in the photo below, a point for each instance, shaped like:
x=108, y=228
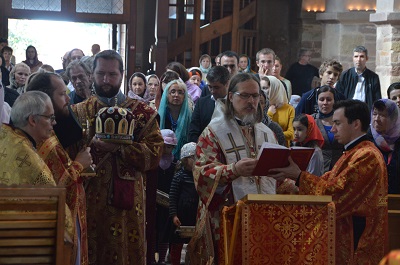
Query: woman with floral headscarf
x=385, y=130
x=175, y=113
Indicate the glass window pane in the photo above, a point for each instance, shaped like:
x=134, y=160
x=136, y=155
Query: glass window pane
x=41, y=5
x=100, y=6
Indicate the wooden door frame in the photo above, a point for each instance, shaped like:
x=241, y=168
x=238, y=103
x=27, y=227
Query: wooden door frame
x=68, y=13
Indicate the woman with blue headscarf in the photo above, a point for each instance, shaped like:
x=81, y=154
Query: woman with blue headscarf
x=385, y=129
x=175, y=113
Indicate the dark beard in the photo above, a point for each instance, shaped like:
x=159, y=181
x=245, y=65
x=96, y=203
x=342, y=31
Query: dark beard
x=61, y=113
x=109, y=93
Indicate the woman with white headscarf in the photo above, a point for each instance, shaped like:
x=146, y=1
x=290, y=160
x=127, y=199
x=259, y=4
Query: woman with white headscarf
x=279, y=109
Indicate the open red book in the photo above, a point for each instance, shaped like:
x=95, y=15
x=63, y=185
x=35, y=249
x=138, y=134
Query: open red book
x=276, y=156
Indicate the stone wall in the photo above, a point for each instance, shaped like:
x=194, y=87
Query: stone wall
x=312, y=38
x=388, y=52
x=342, y=32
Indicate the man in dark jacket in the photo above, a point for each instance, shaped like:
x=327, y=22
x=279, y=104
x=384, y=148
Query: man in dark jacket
x=359, y=82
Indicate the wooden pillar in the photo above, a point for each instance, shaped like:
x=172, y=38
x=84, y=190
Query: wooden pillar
x=5, y=5
x=235, y=26
x=196, y=33
x=161, y=45
x=130, y=44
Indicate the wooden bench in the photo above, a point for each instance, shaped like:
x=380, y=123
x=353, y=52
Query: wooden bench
x=394, y=221
x=32, y=227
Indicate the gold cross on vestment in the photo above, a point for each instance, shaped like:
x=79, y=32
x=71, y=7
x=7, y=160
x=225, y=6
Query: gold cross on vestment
x=235, y=149
x=23, y=161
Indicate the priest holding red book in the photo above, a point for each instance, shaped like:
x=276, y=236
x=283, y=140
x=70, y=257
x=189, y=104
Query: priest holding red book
x=358, y=185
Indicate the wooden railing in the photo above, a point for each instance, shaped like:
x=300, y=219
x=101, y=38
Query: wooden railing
x=242, y=13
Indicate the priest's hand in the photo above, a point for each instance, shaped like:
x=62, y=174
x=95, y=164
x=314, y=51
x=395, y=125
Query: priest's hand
x=176, y=221
x=245, y=167
x=280, y=174
x=84, y=158
x=104, y=146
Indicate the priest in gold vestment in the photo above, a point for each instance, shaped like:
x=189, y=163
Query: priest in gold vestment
x=358, y=185
x=115, y=197
x=33, y=119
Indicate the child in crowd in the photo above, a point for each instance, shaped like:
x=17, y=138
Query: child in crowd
x=166, y=170
x=183, y=200
x=205, y=65
x=195, y=78
x=306, y=134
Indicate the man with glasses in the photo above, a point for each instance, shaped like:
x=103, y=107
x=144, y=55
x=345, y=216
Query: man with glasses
x=32, y=123
x=226, y=154
x=66, y=172
x=230, y=60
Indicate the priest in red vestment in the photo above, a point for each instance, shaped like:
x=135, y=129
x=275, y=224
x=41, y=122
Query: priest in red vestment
x=66, y=172
x=226, y=157
x=358, y=185
x=115, y=198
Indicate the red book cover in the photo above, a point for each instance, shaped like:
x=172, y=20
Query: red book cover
x=276, y=156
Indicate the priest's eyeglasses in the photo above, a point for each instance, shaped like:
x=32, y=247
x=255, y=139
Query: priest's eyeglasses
x=49, y=117
x=247, y=96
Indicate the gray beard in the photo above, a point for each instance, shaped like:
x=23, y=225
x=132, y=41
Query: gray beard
x=249, y=119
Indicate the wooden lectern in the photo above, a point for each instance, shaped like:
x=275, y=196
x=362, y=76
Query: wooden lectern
x=279, y=229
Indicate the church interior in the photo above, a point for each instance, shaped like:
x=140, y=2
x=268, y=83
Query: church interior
x=151, y=33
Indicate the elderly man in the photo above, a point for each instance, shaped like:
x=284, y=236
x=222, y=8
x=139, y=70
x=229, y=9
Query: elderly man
x=66, y=172
x=116, y=224
x=230, y=60
x=81, y=78
x=359, y=82
x=226, y=153
x=358, y=185
x=217, y=81
x=33, y=118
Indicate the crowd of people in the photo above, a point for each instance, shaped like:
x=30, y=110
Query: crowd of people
x=196, y=136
